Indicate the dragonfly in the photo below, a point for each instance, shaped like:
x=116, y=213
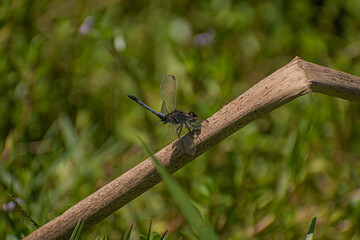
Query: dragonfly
x=174, y=122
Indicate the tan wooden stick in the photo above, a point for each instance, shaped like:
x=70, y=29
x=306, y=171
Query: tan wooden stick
x=289, y=82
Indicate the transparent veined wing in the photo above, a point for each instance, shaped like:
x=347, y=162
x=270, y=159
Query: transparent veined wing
x=197, y=122
x=164, y=107
x=167, y=93
x=170, y=132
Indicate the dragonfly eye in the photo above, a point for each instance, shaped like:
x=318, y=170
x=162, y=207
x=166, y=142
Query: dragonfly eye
x=192, y=114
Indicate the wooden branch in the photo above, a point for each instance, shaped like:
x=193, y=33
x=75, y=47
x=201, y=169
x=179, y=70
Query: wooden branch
x=291, y=81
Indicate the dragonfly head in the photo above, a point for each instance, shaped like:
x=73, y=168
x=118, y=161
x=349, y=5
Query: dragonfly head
x=192, y=114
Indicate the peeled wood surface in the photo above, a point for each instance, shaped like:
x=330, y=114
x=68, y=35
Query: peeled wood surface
x=289, y=82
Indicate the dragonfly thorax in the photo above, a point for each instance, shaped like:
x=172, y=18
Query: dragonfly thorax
x=176, y=117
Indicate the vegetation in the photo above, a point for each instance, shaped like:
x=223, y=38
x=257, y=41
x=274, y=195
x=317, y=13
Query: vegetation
x=67, y=127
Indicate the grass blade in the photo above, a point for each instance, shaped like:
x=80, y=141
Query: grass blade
x=183, y=201
x=311, y=231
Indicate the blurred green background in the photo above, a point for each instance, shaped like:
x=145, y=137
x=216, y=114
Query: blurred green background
x=67, y=127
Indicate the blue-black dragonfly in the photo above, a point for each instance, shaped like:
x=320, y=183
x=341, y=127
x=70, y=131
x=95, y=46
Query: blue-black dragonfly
x=174, y=121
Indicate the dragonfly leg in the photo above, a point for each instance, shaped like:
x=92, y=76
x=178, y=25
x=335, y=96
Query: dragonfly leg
x=179, y=129
x=188, y=127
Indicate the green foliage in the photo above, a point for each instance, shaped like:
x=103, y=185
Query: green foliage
x=128, y=234
x=152, y=235
x=67, y=127
x=310, y=235
x=76, y=235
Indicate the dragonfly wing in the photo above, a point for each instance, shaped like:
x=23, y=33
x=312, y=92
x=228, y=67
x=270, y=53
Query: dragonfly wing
x=169, y=132
x=199, y=122
x=164, y=108
x=167, y=92
x=195, y=122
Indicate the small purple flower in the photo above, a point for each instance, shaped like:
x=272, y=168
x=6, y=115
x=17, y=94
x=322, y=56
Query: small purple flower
x=20, y=201
x=204, y=39
x=9, y=207
x=86, y=25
